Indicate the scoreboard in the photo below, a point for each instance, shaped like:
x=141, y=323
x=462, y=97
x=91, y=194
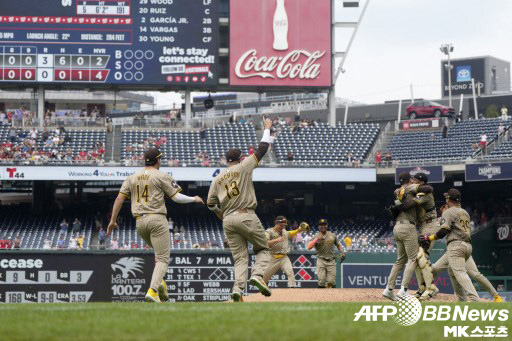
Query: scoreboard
x=131, y=43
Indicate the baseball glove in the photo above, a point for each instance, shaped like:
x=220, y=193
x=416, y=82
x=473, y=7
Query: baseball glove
x=304, y=227
x=341, y=257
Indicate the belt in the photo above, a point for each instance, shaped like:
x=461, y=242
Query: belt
x=137, y=217
x=242, y=211
x=460, y=241
x=325, y=258
x=406, y=222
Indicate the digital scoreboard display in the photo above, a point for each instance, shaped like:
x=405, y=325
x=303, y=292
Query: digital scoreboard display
x=132, y=43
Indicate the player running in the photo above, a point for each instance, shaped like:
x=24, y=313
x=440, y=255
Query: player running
x=147, y=190
x=233, y=200
x=278, y=241
x=324, y=243
x=455, y=226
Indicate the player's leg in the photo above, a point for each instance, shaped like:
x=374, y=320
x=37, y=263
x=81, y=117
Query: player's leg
x=426, y=229
x=255, y=233
x=476, y=275
x=331, y=273
x=273, y=266
x=321, y=272
x=238, y=246
x=161, y=242
x=457, y=289
x=458, y=253
x=286, y=266
x=400, y=262
x=410, y=239
x=144, y=230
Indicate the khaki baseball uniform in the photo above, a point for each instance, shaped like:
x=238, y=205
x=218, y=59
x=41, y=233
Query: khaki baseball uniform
x=232, y=191
x=326, y=259
x=279, y=259
x=147, y=190
x=406, y=239
x=456, y=221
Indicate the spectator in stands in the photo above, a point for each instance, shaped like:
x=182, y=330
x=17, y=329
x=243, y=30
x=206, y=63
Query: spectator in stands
x=77, y=225
x=108, y=122
x=101, y=236
x=17, y=243
x=390, y=245
x=483, y=143
x=504, y=112
x=251, y=150
x=474, y=147
x=445, y=131
x=350, y=159
x=12, y=134
x=388, y=159
x=289, y=157
x=3, y=118
x=348, y=242
x=206, y=161
x=501, y=130
x=61, y=243
x=378, y=158
x=171, y=225
x=47, y=244
x=73, y=244
x=80, y=241
x=222, y=161
x=114, y=244
x=64, y=226
x=364, y=241
x=202, y=133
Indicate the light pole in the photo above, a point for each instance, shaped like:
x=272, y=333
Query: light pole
x=446, y=49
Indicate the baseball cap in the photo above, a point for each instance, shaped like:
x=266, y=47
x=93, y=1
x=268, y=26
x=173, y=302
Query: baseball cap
x=233, y=155
x=281, y=219
x=453, y=194
x=404, y=177
x=151, y=156
x=322, y=222
x=421, y=176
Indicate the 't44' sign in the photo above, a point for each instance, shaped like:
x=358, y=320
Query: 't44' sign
x=13, y=174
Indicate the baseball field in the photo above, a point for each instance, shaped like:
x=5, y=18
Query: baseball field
x=218, y=321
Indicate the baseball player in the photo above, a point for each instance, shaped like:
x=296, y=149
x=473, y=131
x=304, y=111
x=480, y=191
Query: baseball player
x=278, y=242
x=326, y=258
x=233, y=200
x=405, y=235
x=427, y=222
x=442, y=265
x=147, y=190
x=455, y=226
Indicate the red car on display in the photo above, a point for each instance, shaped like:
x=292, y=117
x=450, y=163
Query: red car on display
x=420, y=109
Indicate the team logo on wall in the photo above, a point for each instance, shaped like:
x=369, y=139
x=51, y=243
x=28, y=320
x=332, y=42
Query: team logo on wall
x=464, y=73
x=280, y=43
x=128, y=279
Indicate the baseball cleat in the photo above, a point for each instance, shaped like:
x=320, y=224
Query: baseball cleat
x=261, y=285
x=388, y=293
x=497, y=298
x=237, y=297
x=418, y=294
x=163, y=294
x=152, y=296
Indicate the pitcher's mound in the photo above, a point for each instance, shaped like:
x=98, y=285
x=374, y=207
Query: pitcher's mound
x=331, y=295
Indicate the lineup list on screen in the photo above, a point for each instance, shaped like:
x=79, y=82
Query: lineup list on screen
x=131, y=42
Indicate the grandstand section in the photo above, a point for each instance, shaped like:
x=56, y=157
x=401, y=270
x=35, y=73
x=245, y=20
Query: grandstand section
x=430, y=146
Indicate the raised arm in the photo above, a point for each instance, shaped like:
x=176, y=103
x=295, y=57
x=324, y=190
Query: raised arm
x=265, y=140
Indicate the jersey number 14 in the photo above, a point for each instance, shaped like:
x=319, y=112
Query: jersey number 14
x=145, y=193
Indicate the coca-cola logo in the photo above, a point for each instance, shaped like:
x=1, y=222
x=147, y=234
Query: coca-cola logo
x=296, y=64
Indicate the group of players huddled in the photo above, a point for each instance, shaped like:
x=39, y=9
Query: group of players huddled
x=232, y=198
x=415, y=207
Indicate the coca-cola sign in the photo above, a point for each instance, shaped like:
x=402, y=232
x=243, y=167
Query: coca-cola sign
x=280, y=43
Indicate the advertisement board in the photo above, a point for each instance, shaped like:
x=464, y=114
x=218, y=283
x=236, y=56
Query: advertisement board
x=280, y=43
x=435, y=173
x=462, y=71
x=420, y=124
x=127, y=42
x=20, y=173
x=125, y=277
x=488, y=171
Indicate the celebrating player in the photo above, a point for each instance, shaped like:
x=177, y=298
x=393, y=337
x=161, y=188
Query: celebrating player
x=325, y=261
x=278, y=239
x=147, y=189
x=233, y=200
x=405, y=235
x=455, y=226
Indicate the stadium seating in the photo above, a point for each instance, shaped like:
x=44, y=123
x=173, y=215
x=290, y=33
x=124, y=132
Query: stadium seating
x=185, y=146
x=430, y=145
x=503, y=150
x=323, y=145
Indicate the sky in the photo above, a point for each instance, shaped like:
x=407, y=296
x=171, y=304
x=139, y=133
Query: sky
x=398, y=45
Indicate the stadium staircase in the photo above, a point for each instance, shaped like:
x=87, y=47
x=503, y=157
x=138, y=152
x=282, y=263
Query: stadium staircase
x=385, y=136
x=113, y=145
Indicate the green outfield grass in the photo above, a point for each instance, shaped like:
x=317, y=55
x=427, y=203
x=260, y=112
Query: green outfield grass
x=213, y=321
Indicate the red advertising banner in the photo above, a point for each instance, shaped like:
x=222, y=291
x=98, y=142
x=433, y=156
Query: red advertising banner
x=280, y=43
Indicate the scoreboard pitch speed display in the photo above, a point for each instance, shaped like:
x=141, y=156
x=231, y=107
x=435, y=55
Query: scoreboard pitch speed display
x=129, y=42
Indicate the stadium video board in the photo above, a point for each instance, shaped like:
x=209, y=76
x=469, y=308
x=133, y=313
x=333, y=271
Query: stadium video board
x=130, y=43
x=281, y=43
